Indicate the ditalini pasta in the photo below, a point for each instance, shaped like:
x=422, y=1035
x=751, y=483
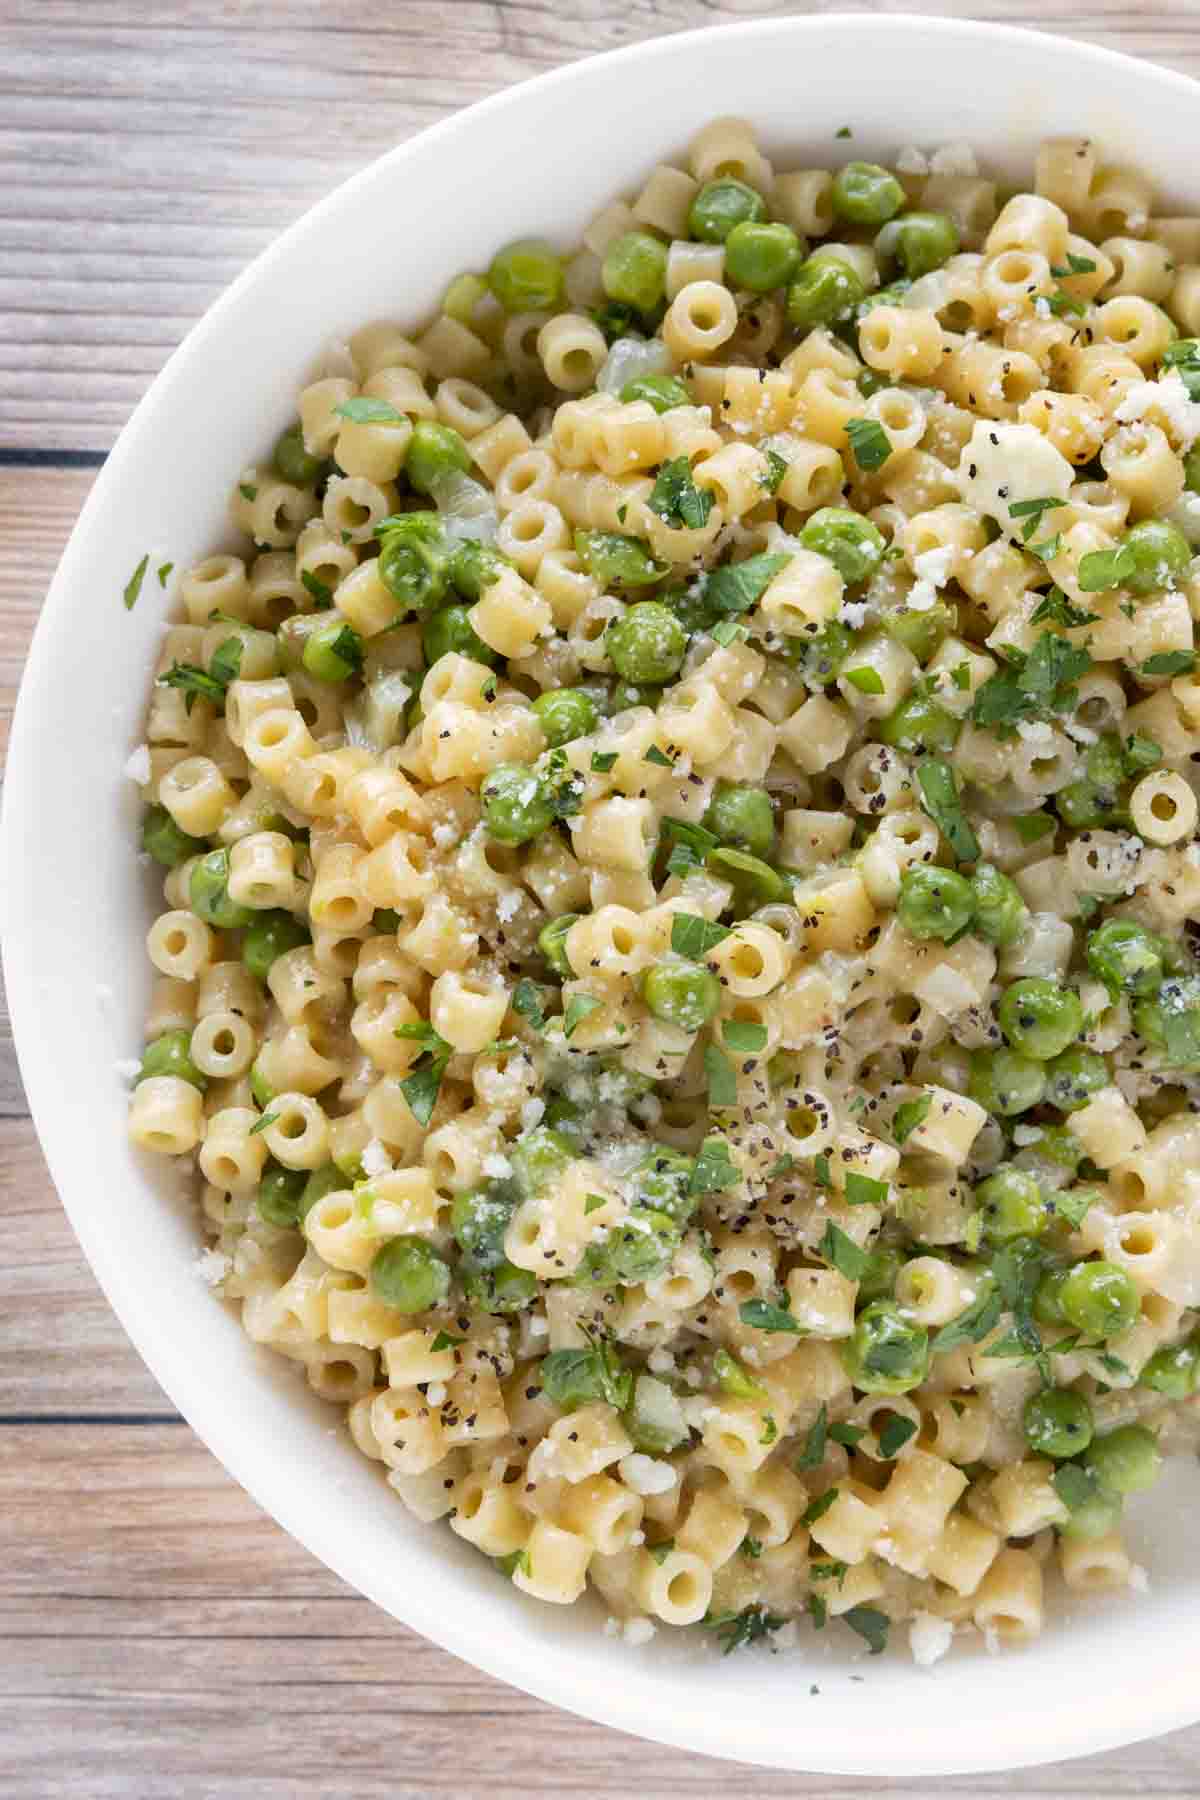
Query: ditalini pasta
x=676, y=968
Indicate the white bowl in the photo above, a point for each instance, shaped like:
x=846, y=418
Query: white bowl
x=541, y=157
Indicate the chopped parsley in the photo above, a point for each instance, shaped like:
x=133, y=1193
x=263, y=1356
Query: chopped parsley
x=812, y=1451
x=655, y=755
x=578, y=1008
x=776, y=469
x=870, y=1624
x=971, y=1325
x=763, y=1315
x=676, y=498
x=744, y=1037
x=908, y=1115
x=602, y=761
x=864, y=1190
x=163, y=572
x=444, y=1341
x=714, y=1170
x=895, y=1435
x=753, y=1625
x=1169, y=662
x=866, y=679
x=320, y=590
x=869, y=443
x=1101, y=569
x=1056, y=609
x=527, y=1001
x=819, y=1507
x=739, y=586
x=940, y=799
x=694, y=937
x=1032, y=513
x=364, y=411
x=1038, y=686
x=722, y=1080
x=133, y=586
x=207, y=684
x=843, y=1253
x=268, y=1118
x=247, y=490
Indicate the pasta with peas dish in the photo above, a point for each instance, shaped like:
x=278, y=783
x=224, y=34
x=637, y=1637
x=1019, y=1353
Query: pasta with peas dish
x=678, y=975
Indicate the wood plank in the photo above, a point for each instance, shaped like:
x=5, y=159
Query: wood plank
x=149, y=1600
x=148, y=151
x=38, y=507
x=62, y=1350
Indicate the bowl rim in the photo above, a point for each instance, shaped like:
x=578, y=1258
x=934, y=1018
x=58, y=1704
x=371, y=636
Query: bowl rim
x=1125, y=1718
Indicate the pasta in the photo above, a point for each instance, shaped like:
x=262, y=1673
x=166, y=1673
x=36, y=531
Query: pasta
x=676, y=971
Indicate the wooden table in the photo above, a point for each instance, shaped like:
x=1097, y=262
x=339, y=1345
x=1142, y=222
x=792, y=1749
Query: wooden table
x=158, y=1635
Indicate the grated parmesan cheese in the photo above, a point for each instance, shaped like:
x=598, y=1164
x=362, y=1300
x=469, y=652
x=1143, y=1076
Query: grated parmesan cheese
x=935, y=565
x=213, y=1266
x=637, y=1631
x=929, y=1638
x=375, y=1159
x=1169, y=398
x=953, y=159
x=646, y=1476
x=137, y=766
x=911, y=161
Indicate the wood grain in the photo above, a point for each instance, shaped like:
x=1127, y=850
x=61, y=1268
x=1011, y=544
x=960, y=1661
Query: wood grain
x=159, y=1636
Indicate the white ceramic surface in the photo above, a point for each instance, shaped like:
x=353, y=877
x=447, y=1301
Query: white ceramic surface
x=539, y=157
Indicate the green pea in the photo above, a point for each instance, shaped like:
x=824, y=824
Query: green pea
x=887, y=1353
x=1057, y=1145
x=1073, y=1077
x=1126, y=957
x=1000, y=913
x=878, y=1279
x=920, y=242
x=824, y=289
x=504, y=1289
x=474, y=566
x=1047, y=1299
x=334, y=651
x=852, y=544
x=742, y=816
x=450, y=629
x=277, y=1200
x=565, y=714
x=414, y=559
x=635, y=1251
x=663, y=1183
x=1013, y=1205
x=662, y=391
x=293, y=461
x=761, y=257
x=1099, y=1298
x=479, y=1220
x=516, y=803
x=552, y=942
x=821, y=656
x=1191, y=470
x=1127, y=1460
x=647, y=643
x=164, y=841
x=681, y=994
x=625, y=695
x=526, y=277
x=1057, y=1422
x=865, y=194
x=462, y=297
x=1039, y=1018
x=920, y=632
x=1005, y=1082
x=634, y=270
x=1172, y=1371
x=407, y=1274
x=615, y=559
x=1170, y=1022
x=267, y=936
x=328, y=1179
x=539, y=1158
x=208, y=893
x=722, y=204
x=433, y=451
x=934, y=902
x=260, y=1088
x=1159, y=553
x=1094, y=1517
x=171, y=1054
x=919, y=723
x=1083, y=806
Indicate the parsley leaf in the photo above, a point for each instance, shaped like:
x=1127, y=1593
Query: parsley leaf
x=1056, y=609
x=761, y=1315
x=908, y=1115
x=578, y=1008
x=268, y=1118
x=843, y=1253
x=869, y=443
x=1075, y=1485
x=1076, y=265
x=527, y=1001
x=676, y=498
x=1029, y=827
x=863, y=1190
x=1101, y=569
x=739, y=586
x=1040, y=684
x=365, y=411
x=870, y=1624
x=728, y=631
x=163, y=572
x=1169, y=662
x=895, y=1435
x=817, y=1610
x=133, y=586
x=655, y=755
x=819, y=1507
x=812, y=1453
x=602, y=761
x=750, y=1626
x=722, y=1081
x=444, y=1341
x=211, y=683
x=247, y=490
x=970, y=1325
x=866, y=679
x=713, y=1170
x=694, y=937
x=849, y=1436
x=1032, y=512
x=940, y=799
x=1072, y=1204
x=320, y=590
x=422, y=1087
x=744, y=1037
